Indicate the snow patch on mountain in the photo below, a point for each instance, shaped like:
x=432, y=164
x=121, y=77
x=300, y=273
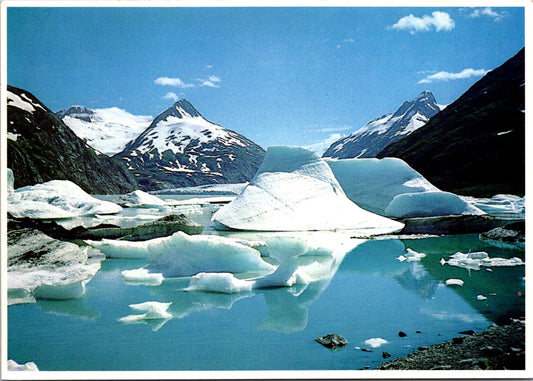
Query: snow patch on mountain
x=107, y=130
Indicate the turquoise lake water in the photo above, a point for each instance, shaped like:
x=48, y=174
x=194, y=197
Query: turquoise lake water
x=371, y=295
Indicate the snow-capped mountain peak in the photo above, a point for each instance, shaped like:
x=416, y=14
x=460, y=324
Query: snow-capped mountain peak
x=181, y=109
x=373, y=137
x=182, y=148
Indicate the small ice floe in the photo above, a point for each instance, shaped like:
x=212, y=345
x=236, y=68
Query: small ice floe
x=474, y=261
x=376, y=342
x=225, y=283
x=141, y=277
x=454, y=282
x=29, y=366
x=481, y=297
x=411, y=256
x=154, y=311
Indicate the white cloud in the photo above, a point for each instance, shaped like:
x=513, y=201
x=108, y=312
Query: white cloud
x=446, y=76
x=170, y=95
x=321, y=147
x=176, y=82
x=489, y=12
x=439, y=21
x=210, y=82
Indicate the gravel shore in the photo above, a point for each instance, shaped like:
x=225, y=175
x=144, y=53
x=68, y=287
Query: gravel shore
x=498, y=347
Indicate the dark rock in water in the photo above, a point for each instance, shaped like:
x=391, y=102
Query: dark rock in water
x=469, y=332
x=386, y=355
x=457, y=224
x=402, y=334
x=162, y=227
x=458, y=340
x=366, y=350
x=332, y=341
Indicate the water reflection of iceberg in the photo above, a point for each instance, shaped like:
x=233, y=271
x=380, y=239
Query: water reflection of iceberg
x=287, y=306
x=74, y=308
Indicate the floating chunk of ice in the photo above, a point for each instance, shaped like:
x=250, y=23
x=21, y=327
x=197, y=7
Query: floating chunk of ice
x=454, y=282
x=411, y=256
x=481, y=297
x=474, y=260
x=295, y=190
x=154, y=310
x=141, y=276
x=56, y=199
x=139, y=198
x=376, y=342
x=29, y=366
x=219, y=282
x=184, y=255
x=390, y=187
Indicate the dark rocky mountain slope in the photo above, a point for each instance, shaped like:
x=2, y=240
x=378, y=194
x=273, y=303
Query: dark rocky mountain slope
x=40, y=147
x=476, y=145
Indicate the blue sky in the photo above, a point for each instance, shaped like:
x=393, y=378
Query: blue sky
x=297, y=76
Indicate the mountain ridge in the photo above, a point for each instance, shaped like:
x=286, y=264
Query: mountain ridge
x=373, y=137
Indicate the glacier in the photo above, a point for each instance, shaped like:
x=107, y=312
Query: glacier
x=390, y=187
x=56, y=199
x=29, y=366
x=295, y=190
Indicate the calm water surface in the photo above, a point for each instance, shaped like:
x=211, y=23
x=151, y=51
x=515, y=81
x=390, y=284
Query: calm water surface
x=371, y=295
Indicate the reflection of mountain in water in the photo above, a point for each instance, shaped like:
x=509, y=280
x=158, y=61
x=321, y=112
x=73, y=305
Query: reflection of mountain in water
x=417, y=279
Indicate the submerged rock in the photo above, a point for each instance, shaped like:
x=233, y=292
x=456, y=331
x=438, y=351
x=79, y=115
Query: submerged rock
x=332, y=340
x=45, y=268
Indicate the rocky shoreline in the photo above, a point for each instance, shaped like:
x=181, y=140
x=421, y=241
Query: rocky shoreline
x=496, y=348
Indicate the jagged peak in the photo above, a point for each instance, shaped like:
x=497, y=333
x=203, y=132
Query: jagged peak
x=181, y=109
x=75, y=111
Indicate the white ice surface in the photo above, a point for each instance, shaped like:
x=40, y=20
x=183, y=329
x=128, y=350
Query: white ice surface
x=411, y=256
x=138, y=198
x=474, y=261
x=376, y=342
x=141, y=277
x=454, y=282
x=184, y=255
x=295, y=190
x=10, y=181
x=428, y=204
x=225, y=283
x=13, y=366
x=56, y=199
x=390, y=187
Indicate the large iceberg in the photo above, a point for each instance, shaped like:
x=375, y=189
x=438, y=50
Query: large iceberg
x=295, y=190
x=183, y=255
x=56, y=199
x=40, y=267
x=390, y=187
